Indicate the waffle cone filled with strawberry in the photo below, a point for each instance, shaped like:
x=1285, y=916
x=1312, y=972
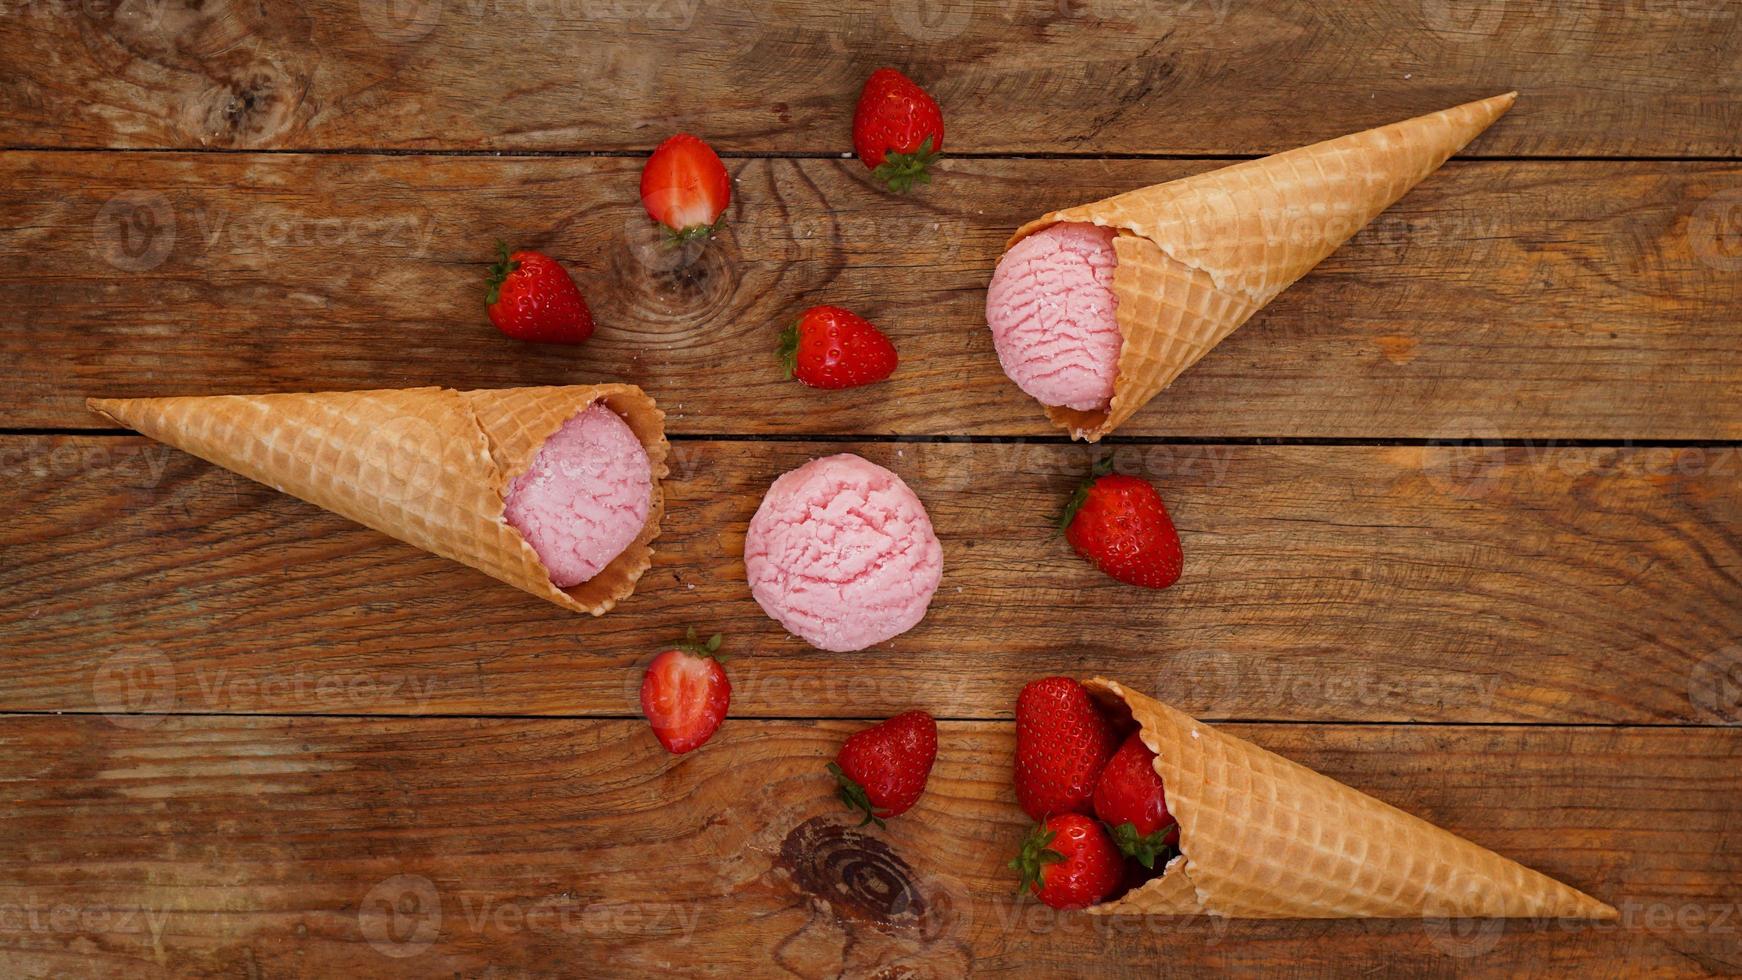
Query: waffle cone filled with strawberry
x=1232, y=829
x=554, y=490
x=1096, y=309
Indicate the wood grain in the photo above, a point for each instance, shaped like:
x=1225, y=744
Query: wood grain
x=1013, y=76
x=1341, y=583
x=1549, y=300
x=276, y=846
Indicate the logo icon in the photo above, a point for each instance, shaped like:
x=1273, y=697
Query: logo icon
x=135, y=231
x=400, y=21
x=135, y=688
x=1464, y=458
x=1715, y=685
x=401, y=916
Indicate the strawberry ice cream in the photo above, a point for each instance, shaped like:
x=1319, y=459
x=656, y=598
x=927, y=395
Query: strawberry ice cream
x=1050, y=307
x=585, y=497
x=842, y=554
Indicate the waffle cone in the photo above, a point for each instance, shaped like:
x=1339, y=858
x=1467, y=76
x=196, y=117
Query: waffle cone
x=428, y=466
x=1262, y=837
x=1198, y=256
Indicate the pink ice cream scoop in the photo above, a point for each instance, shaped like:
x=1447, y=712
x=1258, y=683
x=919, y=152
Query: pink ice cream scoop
x=1050, y=307
x=585, y=497
x=842, y=554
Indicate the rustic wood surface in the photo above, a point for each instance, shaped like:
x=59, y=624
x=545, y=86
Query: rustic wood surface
x=1460, y=509
x=1016, y=76
x=1328, y=583
x=326, y=847
x=1568, y=300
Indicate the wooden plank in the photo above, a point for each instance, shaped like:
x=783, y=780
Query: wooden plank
x=1552, y=300
x=1341, y=583
x=325, y=847
x=1093, y=76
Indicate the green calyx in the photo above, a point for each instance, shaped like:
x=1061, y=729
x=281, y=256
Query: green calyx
x=703, y=648
x=1146, y=849
x=1101, y=468
x=1036, y=854
x=674, y=238
x=900, y=171
x=852, y=794
x=789, y=349
x=499, y=273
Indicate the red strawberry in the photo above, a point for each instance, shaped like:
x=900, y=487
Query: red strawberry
x=831, y=348
x=1069, y=862
x=685, y=694
x=898, y=130
x=1119, y=523
x=1129, y=798
x=685, y=187
x=1062, y=742
x=883, y=769
x=532, y=298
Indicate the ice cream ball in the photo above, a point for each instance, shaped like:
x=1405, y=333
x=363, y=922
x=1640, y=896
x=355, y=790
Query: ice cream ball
x=586, y=496
x=842, y=554
x=1052, y=313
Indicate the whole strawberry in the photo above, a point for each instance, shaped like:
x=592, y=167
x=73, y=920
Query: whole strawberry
x=1120, y=524
x=1131, y=801
x=882, y=770
x=685, y=694
x=898, y=130
x=532, y=298
x=1062, y=741
x=1069, y=862
x=829, y=347
x=685, y=187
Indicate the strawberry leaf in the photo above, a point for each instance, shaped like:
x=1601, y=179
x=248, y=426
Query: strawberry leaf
x=1146, y=849
x=499, y=273
x=789, y=349
x=1080, y=496
x=852, y=794
x=699, y=648
x=900, y=171
x=1034, y=856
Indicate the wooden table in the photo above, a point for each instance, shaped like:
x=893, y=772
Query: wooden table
x=1461, y=508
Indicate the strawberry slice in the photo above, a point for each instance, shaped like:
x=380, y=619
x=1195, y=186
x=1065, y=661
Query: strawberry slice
x=685, y=187
x=685, y=694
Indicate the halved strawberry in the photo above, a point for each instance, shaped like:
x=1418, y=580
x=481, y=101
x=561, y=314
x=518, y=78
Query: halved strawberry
x=685, y=693
x=685, y=187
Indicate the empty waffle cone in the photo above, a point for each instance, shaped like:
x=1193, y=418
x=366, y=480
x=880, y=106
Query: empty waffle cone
x=1265, y=838
x=428, y=466
x=1200, y=255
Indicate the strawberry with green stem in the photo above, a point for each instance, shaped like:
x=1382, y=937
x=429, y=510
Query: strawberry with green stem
x=883, y=770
